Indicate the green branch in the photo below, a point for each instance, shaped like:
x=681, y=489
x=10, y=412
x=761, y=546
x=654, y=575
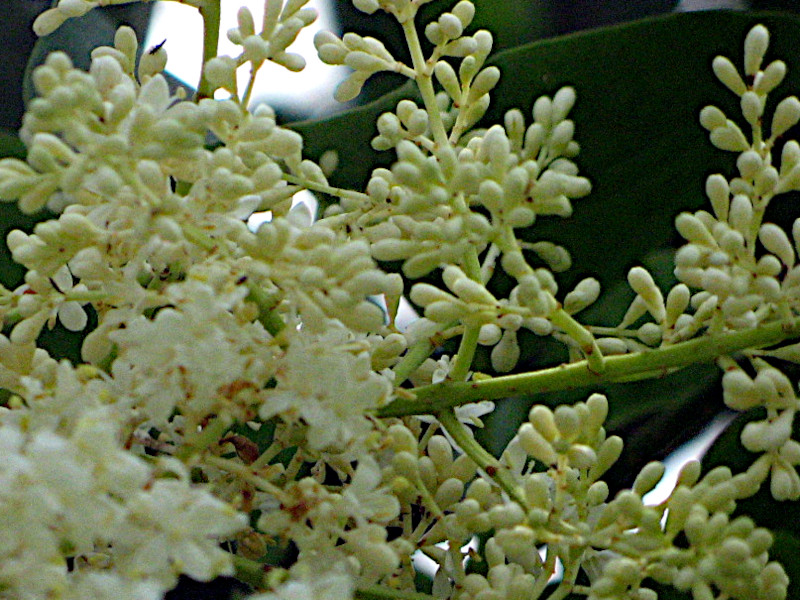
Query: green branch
x=210, y=11
x=488, y=463
x=431, y=399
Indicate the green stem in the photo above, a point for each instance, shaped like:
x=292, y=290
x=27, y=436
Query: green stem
x=379, y=592
x=412, y=360
x=194, y=443
x=250, y=84
x=210, y=12
x=469, y=340
x=594, y=358
x=490, y=465
x=544, y=577
x=266, y=303
x=315, y=186
x=434, y=398
x=466, y=353
x=425, y=83
x=251, y=572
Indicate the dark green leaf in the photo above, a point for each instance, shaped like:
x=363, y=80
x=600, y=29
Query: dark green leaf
x=10, y=144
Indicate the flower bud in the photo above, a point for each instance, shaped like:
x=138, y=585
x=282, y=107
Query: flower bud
x=771, y=77
x=543, y=111
x=506, y=353
x=449, y=493
x=718, y=193
x=451, y=26
x=648, y=477
x=729, y=138
x=447, y=77
x=693, y=230
x=752, y=108
x=785, y=483
x=786, y=116
x=728, y=75
x=712, y=118
x=563, y=101
x=584, y=294
x=608, y=453
x=581, y=456
x=755, y=46
x=642, y=283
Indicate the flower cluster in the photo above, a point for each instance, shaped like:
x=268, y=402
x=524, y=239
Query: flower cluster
x=232, y=404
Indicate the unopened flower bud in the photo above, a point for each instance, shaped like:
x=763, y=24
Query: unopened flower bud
x=728, y=75
x=642, y=283
x=755, y=46
x=712, y=118
x=787, y=115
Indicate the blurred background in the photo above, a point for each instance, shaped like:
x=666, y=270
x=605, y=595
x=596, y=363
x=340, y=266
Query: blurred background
x=309, y=93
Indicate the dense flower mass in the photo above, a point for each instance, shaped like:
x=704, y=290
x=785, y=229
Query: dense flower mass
x=249, y=403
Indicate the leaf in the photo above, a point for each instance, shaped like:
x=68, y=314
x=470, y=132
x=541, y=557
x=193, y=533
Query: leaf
x=10, y=144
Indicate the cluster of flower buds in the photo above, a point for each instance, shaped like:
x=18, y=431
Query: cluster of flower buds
x=772, y=390
x=283, y=21
x=725, y=134
x=738, y=288
x=437, y=479
x=326, y=276
x=422, y=229
x=52, y=18
x=720, y=260
x=571, y=437
x=727, y=557
x=525, y=173
x=723, y=555
x=364, y=55
x=502, y=581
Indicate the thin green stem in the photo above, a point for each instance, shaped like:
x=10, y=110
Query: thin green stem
x=425, y=83
x=245, y=473
x=250, y=84
x=210, y=12
x=434, y=398
x=196, y=442
x=567, y=583
x=469, y=340
x=315, y=186
x=490, y=465
x=466, y=353
x=266, y=303
x=594, y=358
x=544, y=577
x=251, y=572
x=379, y=592
x=411, y=361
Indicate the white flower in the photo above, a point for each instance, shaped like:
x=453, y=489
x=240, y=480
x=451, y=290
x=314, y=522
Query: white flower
x=327, y=380
x=191, y=355
x=174, y=528
x=110, y=586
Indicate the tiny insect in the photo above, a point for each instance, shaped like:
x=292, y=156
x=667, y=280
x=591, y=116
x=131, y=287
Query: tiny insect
x=156, y=48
